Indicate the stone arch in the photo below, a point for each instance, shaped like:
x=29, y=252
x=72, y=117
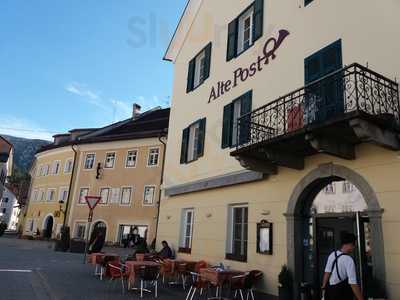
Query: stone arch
x=307, y=189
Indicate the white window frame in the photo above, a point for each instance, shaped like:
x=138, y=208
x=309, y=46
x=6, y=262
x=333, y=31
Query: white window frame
x=39, y=171
x=200, y=63
x=115, y=198
x=130, y=195
x=330, y=189
x=184, y=225
x=42, y=195
x=68, y=162
x=78, y=224
x=193, y=142
x=86, y=159
x=230, y=238
x=144, y=195
x=108, y=195
x=107, y=161
x=46, y=170
x=136, y=158
x=149, y=156
x=55, y=171
x=61, y=192
x=80, y=195
x=35, y=194
x=48, y=194
x=241, y=30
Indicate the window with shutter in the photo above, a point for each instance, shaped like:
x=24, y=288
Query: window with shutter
x=232, y=130
x=193, y=141
x=199, y=68
x=184, y=147
x=324, y=98
x=245, y=29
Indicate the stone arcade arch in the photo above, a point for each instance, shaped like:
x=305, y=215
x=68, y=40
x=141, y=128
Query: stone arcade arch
x=305, y=191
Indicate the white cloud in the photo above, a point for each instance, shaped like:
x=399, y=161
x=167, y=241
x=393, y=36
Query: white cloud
x=23, y=128
x=90, y=96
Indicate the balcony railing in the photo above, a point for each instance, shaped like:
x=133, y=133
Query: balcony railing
x=353, y=89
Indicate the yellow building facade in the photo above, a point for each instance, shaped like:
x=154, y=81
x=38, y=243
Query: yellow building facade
x=272, y=102
x=129, y=187
x=122, y=163
x=50, y=182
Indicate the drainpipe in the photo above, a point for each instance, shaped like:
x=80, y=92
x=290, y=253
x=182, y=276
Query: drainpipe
x=70, y=186
x=161, y=183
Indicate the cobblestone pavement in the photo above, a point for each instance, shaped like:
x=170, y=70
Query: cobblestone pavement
x=32, y=270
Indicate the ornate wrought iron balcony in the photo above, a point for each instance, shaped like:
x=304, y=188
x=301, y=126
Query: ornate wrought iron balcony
x=329, y=115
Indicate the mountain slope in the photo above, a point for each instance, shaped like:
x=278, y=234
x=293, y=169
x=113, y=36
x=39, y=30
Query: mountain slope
x=24, y=150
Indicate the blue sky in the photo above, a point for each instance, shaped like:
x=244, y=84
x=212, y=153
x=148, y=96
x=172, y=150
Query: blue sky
x=72, y=63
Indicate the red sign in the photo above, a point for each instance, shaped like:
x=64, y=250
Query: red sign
x=92, y=201
x=242, y=74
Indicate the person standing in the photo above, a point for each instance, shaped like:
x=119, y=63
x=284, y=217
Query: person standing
x=340, y=278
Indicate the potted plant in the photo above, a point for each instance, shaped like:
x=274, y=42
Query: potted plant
x=285, y=280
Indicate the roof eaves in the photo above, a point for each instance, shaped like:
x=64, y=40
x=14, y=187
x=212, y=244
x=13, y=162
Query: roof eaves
x=189, y=14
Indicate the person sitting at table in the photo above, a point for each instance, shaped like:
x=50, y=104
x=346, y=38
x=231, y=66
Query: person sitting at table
x=166, y=251
x=97, y=243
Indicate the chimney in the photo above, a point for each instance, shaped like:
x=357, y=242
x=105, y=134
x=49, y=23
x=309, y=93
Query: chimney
x=135, y=110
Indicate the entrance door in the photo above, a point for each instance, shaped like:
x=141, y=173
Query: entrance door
x=329, y=229
x=49, y=227
x=329, y=232
x=98, y=227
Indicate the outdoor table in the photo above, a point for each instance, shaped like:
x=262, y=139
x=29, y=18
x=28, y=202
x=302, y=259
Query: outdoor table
x=133, y=266
x=98, y=259
x=190, y=265
x=219, y=278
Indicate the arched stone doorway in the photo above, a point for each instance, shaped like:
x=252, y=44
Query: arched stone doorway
x=98, y=226
x=300, y=212
x=48, y=227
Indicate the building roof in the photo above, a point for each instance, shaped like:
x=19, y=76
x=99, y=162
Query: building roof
x=153, y=123
x=184, y=25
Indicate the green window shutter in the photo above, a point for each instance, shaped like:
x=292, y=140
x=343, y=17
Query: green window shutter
x=190, y=77
x=201, y=138
x=245, y=108
x=258, y=19
x=227, y=126
x=232, y=40
x=185, y=144
x=207, y=61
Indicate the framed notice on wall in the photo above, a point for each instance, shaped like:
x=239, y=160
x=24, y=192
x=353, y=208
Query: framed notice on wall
x=264, y=237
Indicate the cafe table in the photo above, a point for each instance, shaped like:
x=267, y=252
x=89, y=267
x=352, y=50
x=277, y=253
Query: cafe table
x=175, y=263
x=132, y=267
x=98, y=260
x=219, y=278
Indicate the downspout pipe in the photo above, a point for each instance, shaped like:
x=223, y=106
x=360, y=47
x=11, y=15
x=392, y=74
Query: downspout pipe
x=161, y=183
x=70, y=186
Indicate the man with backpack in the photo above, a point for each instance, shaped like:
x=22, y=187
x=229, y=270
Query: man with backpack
x=340, y=278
